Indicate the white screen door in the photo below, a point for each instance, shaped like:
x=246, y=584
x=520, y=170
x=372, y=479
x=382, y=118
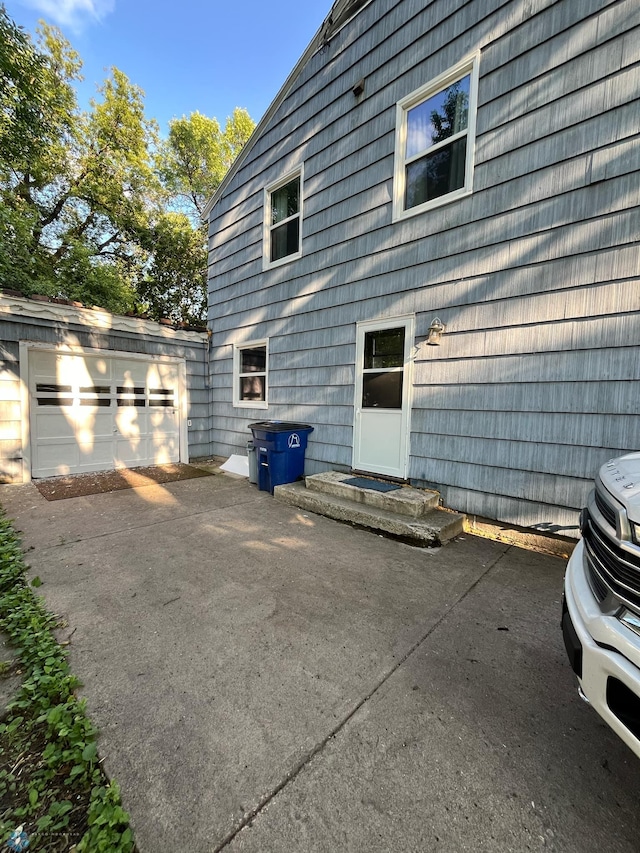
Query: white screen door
x=383, y=396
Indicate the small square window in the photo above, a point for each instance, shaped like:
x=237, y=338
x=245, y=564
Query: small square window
x=250, y=375
x=435, y=133
x=283, y=221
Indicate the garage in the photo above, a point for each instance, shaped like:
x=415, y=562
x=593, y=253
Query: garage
x=99, y=411
x=84, y=390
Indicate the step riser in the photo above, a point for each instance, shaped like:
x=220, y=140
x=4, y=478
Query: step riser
x=446, y=526
x=405, y=501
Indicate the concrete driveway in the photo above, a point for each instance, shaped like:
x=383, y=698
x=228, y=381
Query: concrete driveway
x=268, y=680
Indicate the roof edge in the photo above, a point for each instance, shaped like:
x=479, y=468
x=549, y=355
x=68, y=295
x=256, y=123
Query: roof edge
x=95, y=319
x=339, y=14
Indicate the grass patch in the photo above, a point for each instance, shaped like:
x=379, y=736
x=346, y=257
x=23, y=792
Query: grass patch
x=51, y=781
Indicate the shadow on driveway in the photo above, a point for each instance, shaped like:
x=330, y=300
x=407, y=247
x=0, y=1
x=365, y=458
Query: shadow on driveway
x=269, y=680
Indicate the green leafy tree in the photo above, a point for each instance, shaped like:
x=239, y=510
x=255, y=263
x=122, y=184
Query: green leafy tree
x=93, y=205
x=104, y=204
x=36, y=102
x=74, y=195
x=175, y=284
x=453, y=114
x=237, y=131
x=191, y=164
x=37, y=114
x=196, y=156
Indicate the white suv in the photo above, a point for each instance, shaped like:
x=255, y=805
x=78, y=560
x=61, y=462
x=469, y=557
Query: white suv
x=601, y=604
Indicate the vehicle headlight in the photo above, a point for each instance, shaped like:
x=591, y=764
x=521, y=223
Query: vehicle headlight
x=635, y=532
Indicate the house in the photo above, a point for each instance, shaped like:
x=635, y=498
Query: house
x=429, y=251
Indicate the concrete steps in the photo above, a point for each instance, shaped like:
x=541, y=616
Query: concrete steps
x=410, y=514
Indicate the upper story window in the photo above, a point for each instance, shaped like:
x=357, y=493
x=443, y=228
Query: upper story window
x=283, y=220
x=435, y=135
x=250, y=368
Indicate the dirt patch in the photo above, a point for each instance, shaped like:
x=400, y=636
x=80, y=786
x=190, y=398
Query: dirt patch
x=80, y=485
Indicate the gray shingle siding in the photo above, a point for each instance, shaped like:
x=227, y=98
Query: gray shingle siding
x=535, y=274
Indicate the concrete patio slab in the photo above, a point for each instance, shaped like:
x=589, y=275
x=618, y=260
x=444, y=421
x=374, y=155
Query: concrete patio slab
x=266, y=679
x=476, y=743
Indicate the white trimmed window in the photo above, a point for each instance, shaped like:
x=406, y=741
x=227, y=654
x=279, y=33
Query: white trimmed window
x=435, y=137
x=250, y=368
x=283, y=221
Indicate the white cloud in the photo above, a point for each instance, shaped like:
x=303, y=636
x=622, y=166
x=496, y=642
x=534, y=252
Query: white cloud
x=72, y=13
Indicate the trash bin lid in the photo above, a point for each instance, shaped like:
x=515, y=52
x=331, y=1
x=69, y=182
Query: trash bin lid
x=281, y=426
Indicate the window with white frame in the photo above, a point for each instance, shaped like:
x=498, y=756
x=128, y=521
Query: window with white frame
x=435, y=135
x=250, y=367
x=283, y=220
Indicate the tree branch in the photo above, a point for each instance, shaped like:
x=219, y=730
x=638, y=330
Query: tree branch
x=55, y=212
x=102, y=246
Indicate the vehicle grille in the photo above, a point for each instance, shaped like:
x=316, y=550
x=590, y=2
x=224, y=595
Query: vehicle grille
x=613, y=566
x=598, y=586
x=608, y=512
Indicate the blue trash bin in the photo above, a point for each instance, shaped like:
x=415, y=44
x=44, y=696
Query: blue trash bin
x=279, y=448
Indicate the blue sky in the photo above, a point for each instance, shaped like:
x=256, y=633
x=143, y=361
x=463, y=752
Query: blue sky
x=195, y=55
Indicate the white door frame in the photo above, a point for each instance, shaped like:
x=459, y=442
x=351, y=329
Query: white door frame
x=408, y=321
x=72, y=349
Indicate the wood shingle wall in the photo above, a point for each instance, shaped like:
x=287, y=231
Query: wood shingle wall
x=535, y=274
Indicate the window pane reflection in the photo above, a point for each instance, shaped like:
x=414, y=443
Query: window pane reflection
x=285, y=202
x=384, y=348
x=439, y=117
x=382, y=390
x=252, y=388
x=436, y=174
x=253, y=360
x=285, y=239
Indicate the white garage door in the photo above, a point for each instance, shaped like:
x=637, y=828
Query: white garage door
x=95, y=413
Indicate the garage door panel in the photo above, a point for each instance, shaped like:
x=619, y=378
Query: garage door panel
x=61, y=456
x=54, y=459
x=128, y=455
x=162, y=374
x=92, y=466
x=145, y=373
x=54, y=464
x=101, y=451
x=164, y=451
x=93, y=424
x=164, y=443
x=164, y=419
x=163, y=456
x=99, y=459
x=43, y=362
x=83, y=425
x=98, y=369
x=159, y=427
x=131, y=421
x=143, y=453
x=164, y=433
x=52, y=423
x=118, y=412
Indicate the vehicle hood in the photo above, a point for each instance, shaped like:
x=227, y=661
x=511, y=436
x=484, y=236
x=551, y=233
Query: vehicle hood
x=621, y=477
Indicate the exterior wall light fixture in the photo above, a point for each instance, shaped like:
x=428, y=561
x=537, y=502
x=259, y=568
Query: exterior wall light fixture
x=435, y=331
